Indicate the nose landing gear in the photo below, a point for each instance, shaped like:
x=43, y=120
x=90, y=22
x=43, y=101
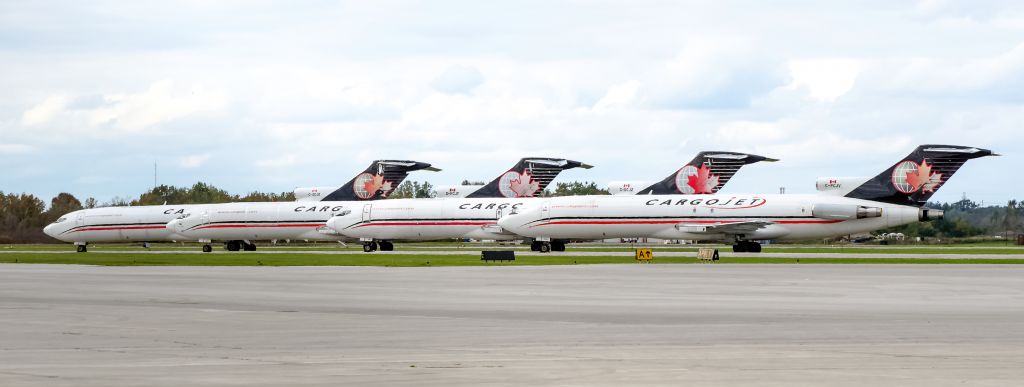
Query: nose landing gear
x=369, y=247
x=546, y=247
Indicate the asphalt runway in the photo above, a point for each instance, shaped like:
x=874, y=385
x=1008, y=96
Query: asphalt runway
x=697, y=325
x=572, y=253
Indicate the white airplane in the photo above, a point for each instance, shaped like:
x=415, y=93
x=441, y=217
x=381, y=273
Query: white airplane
x=895, y=197
x=422, y=220
x=238, y=224
x=149, y=223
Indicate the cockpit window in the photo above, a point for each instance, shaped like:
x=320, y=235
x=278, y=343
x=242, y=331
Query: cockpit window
x=61, y=219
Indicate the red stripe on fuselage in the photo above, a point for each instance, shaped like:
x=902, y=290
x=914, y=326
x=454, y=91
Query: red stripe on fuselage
x=678, y=221
x=425, y=224
x=261, y=225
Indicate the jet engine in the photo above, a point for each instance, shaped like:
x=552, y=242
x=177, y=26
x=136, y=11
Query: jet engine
x=844, y=211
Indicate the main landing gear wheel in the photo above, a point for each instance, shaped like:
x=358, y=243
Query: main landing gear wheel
x=544, y=247
x=369, y=247
x=746, y=247
x=557, y=246
x=248, y=246
x=535, y=246
x=82, y=249
x=207, y=248
x=387, y=246
x=233, y=245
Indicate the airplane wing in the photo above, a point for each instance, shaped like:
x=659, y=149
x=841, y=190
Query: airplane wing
x=724, y=227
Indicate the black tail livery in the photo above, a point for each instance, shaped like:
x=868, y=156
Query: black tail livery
x=527, y=178
x=916, y=178
x=705, y=174
x=377, y=181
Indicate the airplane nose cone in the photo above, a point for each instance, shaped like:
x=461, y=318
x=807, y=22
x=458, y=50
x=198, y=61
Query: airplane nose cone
x=511, y=223
x=48, y=230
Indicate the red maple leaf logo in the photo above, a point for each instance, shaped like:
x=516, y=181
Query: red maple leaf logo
x=524, y=185
x=923, y=179
x=703, y=182
x=377, y=183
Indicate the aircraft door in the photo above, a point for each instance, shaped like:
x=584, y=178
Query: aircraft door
x=366, y=212
x=80, y=219
x=545, y=210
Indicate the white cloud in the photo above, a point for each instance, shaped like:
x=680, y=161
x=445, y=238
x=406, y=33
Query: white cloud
x=825, y=79
x=16, y=149
x=458, y=80
x=160, y=103
x=277, y=162
x=193, y=161
x=45, y=111
x=619, y=95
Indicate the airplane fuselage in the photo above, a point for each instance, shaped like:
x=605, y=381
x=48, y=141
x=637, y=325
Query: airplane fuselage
x=118, y=224
x=702, y=217
x=260, y=221
x=428, y=219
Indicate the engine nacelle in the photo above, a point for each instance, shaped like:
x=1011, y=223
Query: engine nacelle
x=312, y=194
x=926, y=214
x=627, y=187
x=838, y=186
x=844, y=211
x=454, y=191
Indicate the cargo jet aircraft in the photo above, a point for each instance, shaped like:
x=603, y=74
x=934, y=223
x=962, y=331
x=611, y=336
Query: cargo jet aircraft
x=241, y=223
x=149, y=223
x=472, y=217
x=895, y=197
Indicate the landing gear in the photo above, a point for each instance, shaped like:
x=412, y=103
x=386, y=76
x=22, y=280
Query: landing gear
x=746, y=247
x=535, y=246
x=369, y=247
x=207, y=248
x=387, y=246
x=81, y=248
x=545, y=247
x=233, y=245
x=557, y=245
x=248, y=246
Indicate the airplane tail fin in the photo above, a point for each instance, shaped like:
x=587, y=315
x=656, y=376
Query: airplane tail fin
x=916, y=178
x=705, y=174
x=527, y=178
x=377, y=181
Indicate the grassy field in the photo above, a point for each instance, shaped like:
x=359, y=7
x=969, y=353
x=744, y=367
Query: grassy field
x=304, y=255
x=470, y=259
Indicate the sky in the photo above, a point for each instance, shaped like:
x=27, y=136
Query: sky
x=269, y=96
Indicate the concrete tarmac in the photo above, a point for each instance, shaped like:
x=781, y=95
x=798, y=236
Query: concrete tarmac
x=698, y=325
